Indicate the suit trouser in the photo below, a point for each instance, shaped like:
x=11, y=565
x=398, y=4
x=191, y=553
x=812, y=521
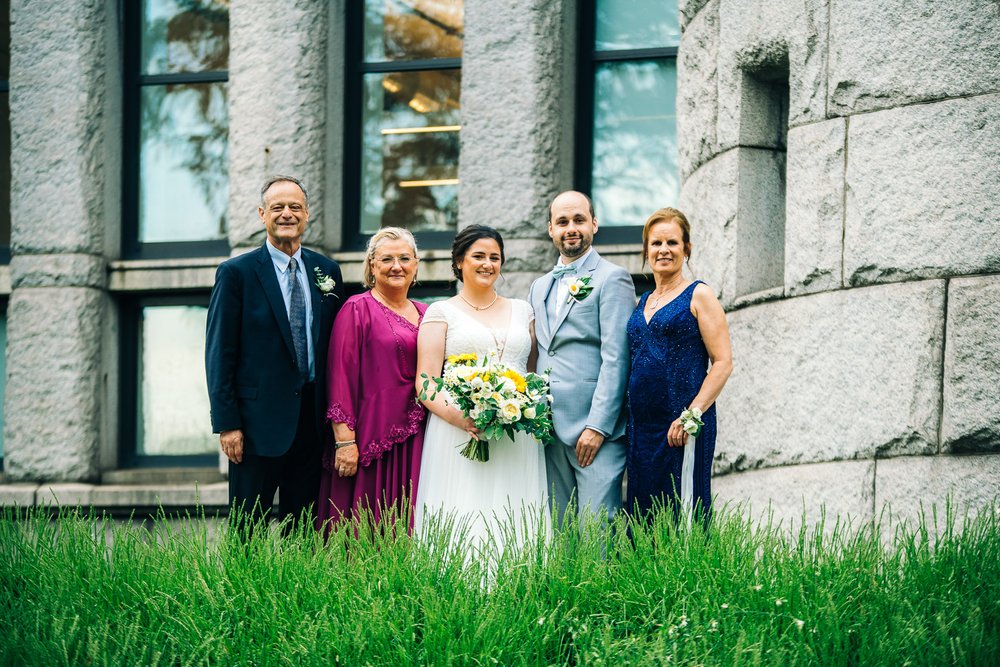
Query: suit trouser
x=252, y=483
x=596, y=486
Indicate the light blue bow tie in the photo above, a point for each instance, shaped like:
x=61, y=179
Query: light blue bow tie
x=562, y=270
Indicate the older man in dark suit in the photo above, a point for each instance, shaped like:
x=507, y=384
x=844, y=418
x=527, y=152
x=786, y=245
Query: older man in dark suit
x=269, y=322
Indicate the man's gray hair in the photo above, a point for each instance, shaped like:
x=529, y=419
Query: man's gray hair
x=279, y=179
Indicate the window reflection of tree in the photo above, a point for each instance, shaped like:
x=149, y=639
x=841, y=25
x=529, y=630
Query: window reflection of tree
x=627, y=24
x=402, y=100
x=196, y=40
x=419, y=29
x=634, y=164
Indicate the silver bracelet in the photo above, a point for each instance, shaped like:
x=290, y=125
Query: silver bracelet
x=340, y=444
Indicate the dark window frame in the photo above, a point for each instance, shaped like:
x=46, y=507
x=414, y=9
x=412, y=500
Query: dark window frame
x=356, y=69
x=588, y=60
x=131, y=385
x=133, y=82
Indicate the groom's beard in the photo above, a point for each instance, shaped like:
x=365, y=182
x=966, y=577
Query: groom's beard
x=574, y=251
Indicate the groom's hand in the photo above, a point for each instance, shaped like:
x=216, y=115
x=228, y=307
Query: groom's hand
x=586, y=447
x=232, y=445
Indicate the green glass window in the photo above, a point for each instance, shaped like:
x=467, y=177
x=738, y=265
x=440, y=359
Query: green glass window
x=172, y=405
x=631, y=150
x=178, y=64
x=4, y=131
x=409, y=86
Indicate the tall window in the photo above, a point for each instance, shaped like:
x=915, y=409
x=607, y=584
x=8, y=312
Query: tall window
x=4, y=131
x=168, y=411
x=627, y=143
x=405, y=116
x=176, y=126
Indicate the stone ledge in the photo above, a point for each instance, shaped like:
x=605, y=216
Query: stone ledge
x=58, y=270
x=117, y=498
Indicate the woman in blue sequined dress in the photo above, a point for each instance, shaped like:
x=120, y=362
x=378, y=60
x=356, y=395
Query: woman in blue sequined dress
x=675, y=331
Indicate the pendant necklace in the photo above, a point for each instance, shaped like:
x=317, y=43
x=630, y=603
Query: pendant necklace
x=655, y=304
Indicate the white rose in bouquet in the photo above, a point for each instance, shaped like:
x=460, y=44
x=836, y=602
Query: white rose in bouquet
x=509, y=411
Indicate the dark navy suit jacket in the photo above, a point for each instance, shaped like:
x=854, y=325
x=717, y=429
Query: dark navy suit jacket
x=253, y=380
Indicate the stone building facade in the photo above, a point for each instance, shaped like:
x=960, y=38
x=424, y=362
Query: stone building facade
x=856, y=145
x=838, y=161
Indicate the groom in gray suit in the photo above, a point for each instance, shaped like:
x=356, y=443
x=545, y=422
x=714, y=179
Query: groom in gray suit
x=581, y=308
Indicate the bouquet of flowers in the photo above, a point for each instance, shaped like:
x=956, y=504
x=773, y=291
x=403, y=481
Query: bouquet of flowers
x=497, y=398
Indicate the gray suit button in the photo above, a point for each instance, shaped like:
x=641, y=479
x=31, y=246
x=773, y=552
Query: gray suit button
x=552, y=353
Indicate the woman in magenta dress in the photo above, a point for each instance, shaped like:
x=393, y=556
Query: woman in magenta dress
x=373, y=463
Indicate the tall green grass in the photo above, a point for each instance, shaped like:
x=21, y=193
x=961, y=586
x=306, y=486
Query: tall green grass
x=84, y=590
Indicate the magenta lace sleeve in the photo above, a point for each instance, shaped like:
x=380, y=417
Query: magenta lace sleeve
x=344, y=367
x=397, y=433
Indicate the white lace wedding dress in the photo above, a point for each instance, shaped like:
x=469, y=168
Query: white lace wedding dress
x=504, y=497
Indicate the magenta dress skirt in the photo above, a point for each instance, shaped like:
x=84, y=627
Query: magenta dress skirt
x=371, y=373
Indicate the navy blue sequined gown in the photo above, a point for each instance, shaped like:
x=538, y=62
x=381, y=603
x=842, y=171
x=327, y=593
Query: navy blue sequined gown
x=669, y=364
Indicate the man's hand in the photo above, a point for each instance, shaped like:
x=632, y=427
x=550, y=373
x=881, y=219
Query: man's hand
x=232, y=445
x=346, y=461
x=586, y=447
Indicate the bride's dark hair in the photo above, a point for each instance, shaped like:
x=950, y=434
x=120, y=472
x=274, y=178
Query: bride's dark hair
x=464, y=240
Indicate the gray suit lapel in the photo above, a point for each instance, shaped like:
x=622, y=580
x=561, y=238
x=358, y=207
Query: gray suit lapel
x=542, y=308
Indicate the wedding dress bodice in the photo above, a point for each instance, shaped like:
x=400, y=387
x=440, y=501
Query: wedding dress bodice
x=467, y=334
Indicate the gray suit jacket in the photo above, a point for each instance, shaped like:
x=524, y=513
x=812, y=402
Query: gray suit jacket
x=587, y=350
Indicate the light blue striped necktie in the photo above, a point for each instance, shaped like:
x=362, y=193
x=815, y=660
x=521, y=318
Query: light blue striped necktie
x=297, y=320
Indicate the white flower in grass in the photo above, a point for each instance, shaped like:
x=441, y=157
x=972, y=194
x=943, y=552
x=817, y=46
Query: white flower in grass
x=799, y=623
x=725, y=605
x=779, y=602
x=758, y=587
x=541, y=620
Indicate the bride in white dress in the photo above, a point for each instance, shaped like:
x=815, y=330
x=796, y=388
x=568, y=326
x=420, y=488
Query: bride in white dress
x=506, y=493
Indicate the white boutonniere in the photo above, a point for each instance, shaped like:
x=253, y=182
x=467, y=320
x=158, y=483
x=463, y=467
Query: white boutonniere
x=324, y=283
x=691, y=421
x=579, y=288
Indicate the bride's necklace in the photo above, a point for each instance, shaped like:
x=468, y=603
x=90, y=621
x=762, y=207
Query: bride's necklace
x=474, y=306
x=656, y=302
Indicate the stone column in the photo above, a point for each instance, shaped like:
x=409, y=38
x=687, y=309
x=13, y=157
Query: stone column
x=64, y=74
x=277, y=108
x=516, y=146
